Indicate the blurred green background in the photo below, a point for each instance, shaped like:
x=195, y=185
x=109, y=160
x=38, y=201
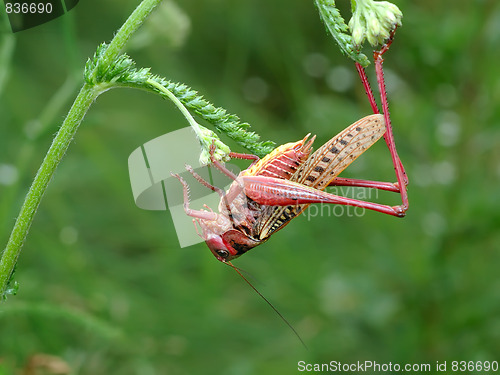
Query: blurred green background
x=104, y=285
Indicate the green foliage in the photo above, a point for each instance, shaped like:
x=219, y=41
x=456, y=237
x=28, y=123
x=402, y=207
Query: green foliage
x=371, y=20
x=337, y=27
x=123, y=72
x=224, y=122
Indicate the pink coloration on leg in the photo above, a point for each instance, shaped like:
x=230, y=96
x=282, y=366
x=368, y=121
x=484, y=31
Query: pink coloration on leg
x=402, y=178
x=212, y=216
x=271, y=191
x=388, y=186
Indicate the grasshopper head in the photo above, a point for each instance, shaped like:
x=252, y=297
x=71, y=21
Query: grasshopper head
x=230, y=245
x=213, y=232
x=219, y=249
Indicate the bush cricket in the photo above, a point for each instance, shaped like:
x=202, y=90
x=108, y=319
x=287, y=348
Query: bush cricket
x=265, y=197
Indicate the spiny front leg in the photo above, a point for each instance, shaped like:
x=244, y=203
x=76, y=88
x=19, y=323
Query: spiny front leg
x=219, y=191
x=237, y=155
x=210, y=216
x=203, y=182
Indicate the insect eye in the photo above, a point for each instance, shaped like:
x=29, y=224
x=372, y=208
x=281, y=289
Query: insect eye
x=223, y=253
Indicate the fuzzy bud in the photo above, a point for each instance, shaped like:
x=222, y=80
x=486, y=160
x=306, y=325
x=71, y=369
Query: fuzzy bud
x=374, y=21
x=207, y=138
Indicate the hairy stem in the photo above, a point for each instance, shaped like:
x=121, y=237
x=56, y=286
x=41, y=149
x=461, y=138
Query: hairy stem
x=53, y=157
x=60, y=144
x=179, y=105
x=128, y=28
x=206, y=137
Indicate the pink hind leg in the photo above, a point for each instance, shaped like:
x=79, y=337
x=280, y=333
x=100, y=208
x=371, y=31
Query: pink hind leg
x=402, y=179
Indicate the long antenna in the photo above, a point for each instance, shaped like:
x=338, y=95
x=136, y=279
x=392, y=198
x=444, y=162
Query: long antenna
x=269, y=303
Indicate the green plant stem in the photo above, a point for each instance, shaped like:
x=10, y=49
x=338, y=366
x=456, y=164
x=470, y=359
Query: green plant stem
x=61, y=143
x=179, y=105
x=128, y=28
x=207, y=138
x=53, y=157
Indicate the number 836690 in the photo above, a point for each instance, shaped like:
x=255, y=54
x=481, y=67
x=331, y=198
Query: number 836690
x=474, y=366
x=28, y=8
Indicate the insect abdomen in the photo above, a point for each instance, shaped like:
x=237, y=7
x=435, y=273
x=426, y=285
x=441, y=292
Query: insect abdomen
x=283, y=161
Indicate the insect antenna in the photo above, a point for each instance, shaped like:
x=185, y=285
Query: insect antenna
x=249, y=275
x=269, y=303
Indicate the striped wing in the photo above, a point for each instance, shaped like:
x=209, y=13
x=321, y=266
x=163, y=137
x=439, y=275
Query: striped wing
x=322, y=167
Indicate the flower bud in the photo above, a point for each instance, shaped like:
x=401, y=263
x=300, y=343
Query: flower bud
x=358, y=34
x=207, y=138
x=374, y=21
